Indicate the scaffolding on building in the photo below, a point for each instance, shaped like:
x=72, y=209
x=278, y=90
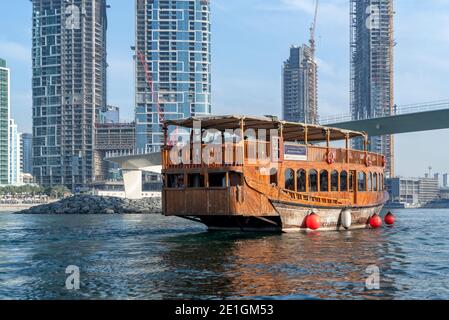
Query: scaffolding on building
x=371, y=91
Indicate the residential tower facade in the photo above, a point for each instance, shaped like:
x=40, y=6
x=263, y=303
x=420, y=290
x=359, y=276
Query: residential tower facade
x=299, y=86
x=69, y=88
x=172, y=65
x=372, y=83
x=15, y=155
x=4, y=121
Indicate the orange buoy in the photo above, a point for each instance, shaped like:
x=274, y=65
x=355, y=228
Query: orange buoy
x=389, y=219
x=375, y=221
x=313, y=221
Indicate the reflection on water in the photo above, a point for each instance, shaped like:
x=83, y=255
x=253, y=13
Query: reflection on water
x=153, y=257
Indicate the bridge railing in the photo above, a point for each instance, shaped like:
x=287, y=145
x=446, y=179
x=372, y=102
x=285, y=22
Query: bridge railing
x=398, y=110
x=124, y=153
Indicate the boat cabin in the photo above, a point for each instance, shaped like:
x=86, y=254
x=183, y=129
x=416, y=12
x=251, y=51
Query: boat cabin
x=240, y=165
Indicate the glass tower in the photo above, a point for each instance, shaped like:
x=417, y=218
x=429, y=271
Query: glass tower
x=4, y=121
x=27, y=151
x=172, y=65
x=69, y=88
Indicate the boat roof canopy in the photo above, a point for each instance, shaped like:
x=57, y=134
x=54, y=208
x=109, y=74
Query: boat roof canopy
x=292, y=131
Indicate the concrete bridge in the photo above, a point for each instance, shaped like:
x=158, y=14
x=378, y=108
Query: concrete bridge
x=410, y=118
x=133, y=163
x=405, y=119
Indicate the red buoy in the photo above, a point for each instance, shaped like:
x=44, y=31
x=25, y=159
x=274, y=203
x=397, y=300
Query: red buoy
x=389, y=219
x=375, y=221
x=313, y=221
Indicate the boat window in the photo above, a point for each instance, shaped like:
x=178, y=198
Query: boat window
x=375, y=182
x=324, y=181
x=370, y=182
x=334, y=181
x=362, y=181
x=196, y=180
x=217, y=179
x=351, y=181
x=290, y=179
x=235, y=179
x=175, y=181
x=381, y=182
x=301, y=180
x=313, y=181
x=273, y=176
x=343, y=181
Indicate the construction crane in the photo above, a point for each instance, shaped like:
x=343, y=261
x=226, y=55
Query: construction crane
x=313, y=29
x=150, y=84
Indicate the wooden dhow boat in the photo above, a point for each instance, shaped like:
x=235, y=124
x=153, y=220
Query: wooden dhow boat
x=262, y=174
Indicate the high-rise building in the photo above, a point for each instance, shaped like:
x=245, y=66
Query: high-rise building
x=27, y=151
x=69, y=88
x=112, y=138
x=110, y=114
x=299, y=86
x=172, y=65
x=446, y=180
x=4, y=121
x=372, y=69
x=428, y=189
x=403, y=190
x=15, y=153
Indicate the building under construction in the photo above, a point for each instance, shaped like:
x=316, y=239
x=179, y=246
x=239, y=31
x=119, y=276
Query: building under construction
x=69, y=88
x=113, y=138
x=300, y=81
x=172, y=66
x=299, y=86
x=372, y=69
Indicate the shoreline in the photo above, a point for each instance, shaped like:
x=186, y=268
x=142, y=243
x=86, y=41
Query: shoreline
x=11, y=208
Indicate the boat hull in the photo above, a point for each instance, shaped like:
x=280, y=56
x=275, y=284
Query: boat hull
x=294, y=216
x=291, y=218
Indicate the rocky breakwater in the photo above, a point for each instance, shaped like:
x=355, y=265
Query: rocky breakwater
x=98, y=205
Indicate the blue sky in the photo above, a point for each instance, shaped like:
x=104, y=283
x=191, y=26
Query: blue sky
x=251, y=39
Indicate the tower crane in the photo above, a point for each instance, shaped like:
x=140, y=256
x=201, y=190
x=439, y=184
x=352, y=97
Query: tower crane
x=313, y=29
x=150, y=84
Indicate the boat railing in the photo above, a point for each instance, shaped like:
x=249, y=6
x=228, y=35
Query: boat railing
x=274, y=191
x=313, y=198
x=260, y=153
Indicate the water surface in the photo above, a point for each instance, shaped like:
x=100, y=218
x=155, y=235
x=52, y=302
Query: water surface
x=154, y=257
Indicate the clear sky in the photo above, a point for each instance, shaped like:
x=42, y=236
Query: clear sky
x=251, y=39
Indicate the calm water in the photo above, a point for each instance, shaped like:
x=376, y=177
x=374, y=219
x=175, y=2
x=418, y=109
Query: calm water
x=153, y=257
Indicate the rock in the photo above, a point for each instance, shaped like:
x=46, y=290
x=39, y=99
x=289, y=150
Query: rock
x=98, y=205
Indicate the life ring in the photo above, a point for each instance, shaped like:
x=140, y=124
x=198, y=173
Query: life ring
x=331, y=157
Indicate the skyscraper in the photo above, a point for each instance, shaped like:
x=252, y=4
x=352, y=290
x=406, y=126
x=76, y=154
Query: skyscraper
x=15, y=153
x=372, y=68
x=69, y=88
x=27, y=151
x=4, y=121
x=173, y=57
x=299, y=86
